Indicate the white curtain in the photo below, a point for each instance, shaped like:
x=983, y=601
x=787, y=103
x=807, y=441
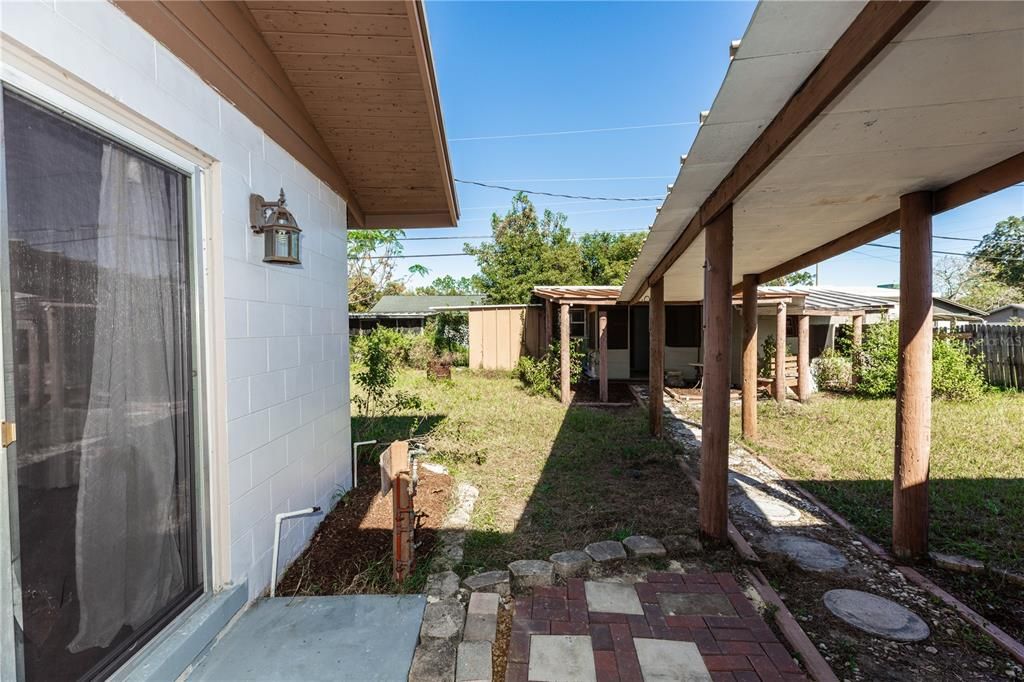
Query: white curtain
x=128, y=561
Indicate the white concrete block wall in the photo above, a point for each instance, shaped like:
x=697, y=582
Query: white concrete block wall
x=286, y=328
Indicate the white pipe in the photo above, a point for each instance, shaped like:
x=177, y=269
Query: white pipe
x=277, y=540
x=355, y=460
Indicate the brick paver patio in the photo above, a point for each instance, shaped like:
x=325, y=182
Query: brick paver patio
x=697, y=626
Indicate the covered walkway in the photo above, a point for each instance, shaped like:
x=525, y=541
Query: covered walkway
x=837, y=124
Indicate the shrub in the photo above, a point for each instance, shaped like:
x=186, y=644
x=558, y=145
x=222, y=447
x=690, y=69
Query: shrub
x=420, y=351
x=542, y=376
x=832, y=371
x=956, y=373
x=380, y=354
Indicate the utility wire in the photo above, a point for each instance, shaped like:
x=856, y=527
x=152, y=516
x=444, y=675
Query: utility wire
x=1008, y=259
x=573, y=132
x=554, y=194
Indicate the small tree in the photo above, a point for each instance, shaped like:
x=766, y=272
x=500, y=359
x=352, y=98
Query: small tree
x=381, y=354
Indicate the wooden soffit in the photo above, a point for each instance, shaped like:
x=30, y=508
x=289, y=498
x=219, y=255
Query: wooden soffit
x=347, y=87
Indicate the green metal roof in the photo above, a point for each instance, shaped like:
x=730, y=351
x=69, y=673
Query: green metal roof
x=411, y=305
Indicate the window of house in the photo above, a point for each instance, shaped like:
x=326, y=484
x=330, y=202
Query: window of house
x=577, y=323
x=683, y=326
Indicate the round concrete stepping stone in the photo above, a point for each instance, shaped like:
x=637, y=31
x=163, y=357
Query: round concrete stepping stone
x=876, y=615
x=770, y=509
x=808, y=553
x=570, y=564
x=605, y=551
x=527, y=573
x=489, y=581
x=643, y=546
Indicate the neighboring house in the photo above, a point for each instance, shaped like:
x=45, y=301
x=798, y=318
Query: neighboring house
x=628, y=327
x=945, y=313
x=1006, y=314
x=406, y=313
x=177, y=380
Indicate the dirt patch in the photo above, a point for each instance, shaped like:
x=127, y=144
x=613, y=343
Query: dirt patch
x=350, y=553
x=503, y=635
x=590, y=392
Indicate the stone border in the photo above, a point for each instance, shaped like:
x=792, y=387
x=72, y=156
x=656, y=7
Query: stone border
x=453, y=530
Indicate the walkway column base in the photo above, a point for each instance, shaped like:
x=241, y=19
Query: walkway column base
x=750, y=357
x=656, y=363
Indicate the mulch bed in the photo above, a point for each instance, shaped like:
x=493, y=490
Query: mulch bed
x=589, y=392
x=351, y=550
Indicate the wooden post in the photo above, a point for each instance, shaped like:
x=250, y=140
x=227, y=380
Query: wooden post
x=547, y=325
x=602, y=349
x=750, y=357
x=714, y=458
x=803, y=354
x=858, y=340
x=914, y=379
x=780, y=352
x=565, y=344
x=656, y=366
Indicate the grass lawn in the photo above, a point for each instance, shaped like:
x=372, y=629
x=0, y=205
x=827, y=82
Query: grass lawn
x=549, y=478
x=841, y=449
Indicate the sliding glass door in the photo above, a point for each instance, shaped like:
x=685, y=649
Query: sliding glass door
x=98, y=290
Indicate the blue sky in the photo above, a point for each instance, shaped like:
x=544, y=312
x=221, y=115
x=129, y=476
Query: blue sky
x=538, y=67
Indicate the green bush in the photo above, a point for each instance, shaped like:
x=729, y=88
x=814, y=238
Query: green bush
x=420, y=350
x=380, y=355
x=542, y=376
x=832, y=371
x=956, y=372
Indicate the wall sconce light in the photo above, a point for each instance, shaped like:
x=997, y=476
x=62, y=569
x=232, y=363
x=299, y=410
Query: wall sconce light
x=278, y=227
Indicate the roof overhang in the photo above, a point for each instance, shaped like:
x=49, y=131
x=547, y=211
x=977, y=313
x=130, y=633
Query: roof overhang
x=347, y=87
x=829, y=112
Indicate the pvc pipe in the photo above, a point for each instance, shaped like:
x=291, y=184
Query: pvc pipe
x=355, y=460
x=277, y=540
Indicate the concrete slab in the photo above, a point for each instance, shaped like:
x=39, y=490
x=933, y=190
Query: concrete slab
x=489, y=581
x=612, y=598
x=363, y=637
x=482, y=618
x=808, y=553
x=876, y=615
x=474, y=662
x=561, y=658
x=605, y=551
x=695, y=604
x=643, y=546
x=669, y=661
x=434, y=661
x=769, y=509
x=527, y=573
x=441, y=585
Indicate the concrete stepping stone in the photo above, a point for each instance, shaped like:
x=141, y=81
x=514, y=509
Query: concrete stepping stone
x=527, y=573
x=558, y=658
x=695, y=604
x=482, y=617
x=571, y=563
x=643, y=546
x=441, y=585
x=876, y=615
x=434, y=661
x=612, y=598
x=443, y=620
x=670, y=661
x=605, y=551
x=808, y=553
x=474, y=662
x=771, y=510
x=490, y=581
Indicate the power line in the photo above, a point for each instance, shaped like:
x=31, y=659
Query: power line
x=573, y=132
x=1008, y=259
x=490, y=236
x=608, y=179
x=553, y=194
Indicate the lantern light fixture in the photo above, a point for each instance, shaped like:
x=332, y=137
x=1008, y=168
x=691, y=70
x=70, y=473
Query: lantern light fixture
x=280, y=231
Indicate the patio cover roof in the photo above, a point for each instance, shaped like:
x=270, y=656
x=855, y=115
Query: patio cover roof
x=579, y=294
x=823, y=300
x=825, y=119
x=347, y=87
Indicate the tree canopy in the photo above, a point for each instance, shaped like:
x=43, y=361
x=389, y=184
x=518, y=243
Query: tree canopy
x=371, y=267
x=795, y=279
x=1002, y=250
x=528, y=249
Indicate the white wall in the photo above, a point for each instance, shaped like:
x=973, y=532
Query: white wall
x=278, y=372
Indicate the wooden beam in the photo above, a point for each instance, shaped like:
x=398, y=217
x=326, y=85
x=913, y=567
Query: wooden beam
x=563, y=319
x=914, y=379
x=780, y=353
x=750, y=357
x=867, y=35
x=714, y=458
x=803, y=354
x=602, y=349
x=656, y=356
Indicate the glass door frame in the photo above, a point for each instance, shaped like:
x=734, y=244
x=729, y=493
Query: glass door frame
x=198, y=177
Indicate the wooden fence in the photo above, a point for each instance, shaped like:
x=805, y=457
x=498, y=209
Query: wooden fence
x=500, y=335
x=1001, y=348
